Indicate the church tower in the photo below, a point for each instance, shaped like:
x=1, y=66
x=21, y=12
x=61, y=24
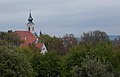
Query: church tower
x=30, y=25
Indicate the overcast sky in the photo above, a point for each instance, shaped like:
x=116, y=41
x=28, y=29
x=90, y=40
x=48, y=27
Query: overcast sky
x=60, y=17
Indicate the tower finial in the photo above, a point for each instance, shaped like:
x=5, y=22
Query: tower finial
x=30, y=19
x=30, y=11
x=30, y=24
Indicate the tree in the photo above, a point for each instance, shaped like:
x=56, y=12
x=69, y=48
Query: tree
x=92, y=68
x=53, y=43
x=116, y=41
x=4, y=43
x=69, y=40
x=77, y=57
x=10, y=37
x=94, y=37
x=28, y=52
x=74, y=57
x=14, y=64
x=47, y=65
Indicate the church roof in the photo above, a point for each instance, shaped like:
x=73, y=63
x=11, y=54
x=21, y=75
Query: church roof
x=28, y=39
x=37, y=45
x=26, y=36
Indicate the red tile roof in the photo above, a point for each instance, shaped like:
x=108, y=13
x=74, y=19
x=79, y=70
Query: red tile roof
x=39, y=45
x=24, y=45
x=26, y=36
x=28, y=39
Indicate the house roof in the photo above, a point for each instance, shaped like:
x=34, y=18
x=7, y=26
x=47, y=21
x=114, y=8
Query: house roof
x=28, y=39
x=37, y=45
x=24, y=45
x=26, y=36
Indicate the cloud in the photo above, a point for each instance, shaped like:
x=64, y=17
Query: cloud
x=62, y=16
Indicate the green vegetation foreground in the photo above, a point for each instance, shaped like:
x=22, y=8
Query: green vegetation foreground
x=88, y=58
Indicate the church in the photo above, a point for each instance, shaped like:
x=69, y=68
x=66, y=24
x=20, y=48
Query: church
x=29, y=36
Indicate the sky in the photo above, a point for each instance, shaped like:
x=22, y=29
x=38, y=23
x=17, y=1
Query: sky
x=60, y=17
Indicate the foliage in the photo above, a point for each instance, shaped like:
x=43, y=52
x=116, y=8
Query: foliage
x=94, y=56
x=69, y=40
x=53, y=43
x=4, y=43
x=14, y=64
x=10, y=37
x=94, y=37
x=92, y=68
x=74, y=57
x=116, y=41
x=103, y=52
x=28, y=52
x=47, y=65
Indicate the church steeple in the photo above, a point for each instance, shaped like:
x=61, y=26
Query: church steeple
x=30, y=24
x=30, y=19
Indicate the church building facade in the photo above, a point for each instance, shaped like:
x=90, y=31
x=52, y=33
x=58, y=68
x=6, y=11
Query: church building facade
x=28, y=37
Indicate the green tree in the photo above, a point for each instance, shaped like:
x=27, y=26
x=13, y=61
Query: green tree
x=11, y=38
x=92, y=68
x=28, y=52
x=53, y=44
x=4, y=43
x=14, y=64
x=47, y=65
x=76, y=57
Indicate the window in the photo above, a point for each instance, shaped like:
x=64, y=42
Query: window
x=43, y=48
x=33, y=28
x=28, y=28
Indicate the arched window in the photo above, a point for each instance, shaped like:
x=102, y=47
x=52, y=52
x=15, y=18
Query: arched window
x=28, y=28
x=33, y=28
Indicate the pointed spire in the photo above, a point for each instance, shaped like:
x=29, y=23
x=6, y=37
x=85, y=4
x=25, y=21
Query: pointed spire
x=40, y=32
x=30, y=19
